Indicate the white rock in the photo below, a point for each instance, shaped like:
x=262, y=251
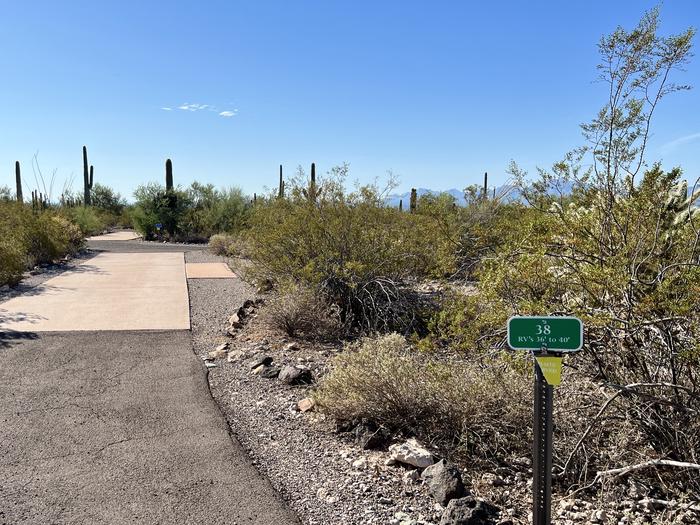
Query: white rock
x=566, y=505
x=235, y=355
x=359, y=463
x=411, y=453
x=411, y=476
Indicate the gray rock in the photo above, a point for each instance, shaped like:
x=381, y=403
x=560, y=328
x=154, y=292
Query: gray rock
x=468, y=511
x=270, y=372
x=444, y=482
x=235, y=355
x=294, y=376
x=370, y=436
x=260, y=359
x=235, y=322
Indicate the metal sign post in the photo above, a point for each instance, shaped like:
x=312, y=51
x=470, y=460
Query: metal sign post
x=542, y=449
x=547, y=338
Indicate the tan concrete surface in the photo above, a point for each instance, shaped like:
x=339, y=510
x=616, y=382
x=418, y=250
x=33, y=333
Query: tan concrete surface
x=116, y=236
x=209, y=271
x=112, y=291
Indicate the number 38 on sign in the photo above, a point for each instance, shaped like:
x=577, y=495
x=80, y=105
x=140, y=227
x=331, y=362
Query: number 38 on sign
x=556, y=334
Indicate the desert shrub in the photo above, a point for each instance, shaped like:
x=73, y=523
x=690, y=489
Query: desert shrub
x=299, y=312
x=621, y=251
x=157, y=211
x=32, y=237
x=50, y=237
x=214, y=211
x=12, y=258
x=191, y=215
x=350, y=248
x=6, y=194
x=467, y=233
x=220, y=243
x=106, y=199
x=635, y=287
x=88, y=219
x=480, y=410
x=227, y=245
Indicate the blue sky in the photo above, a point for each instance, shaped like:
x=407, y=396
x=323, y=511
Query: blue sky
x=438, y=92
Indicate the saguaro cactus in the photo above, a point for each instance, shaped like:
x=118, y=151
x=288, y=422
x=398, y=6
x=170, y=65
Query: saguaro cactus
x=18, y=180
x=280, y=192
x=414, y=201
x=486, y=186
x=400, y=204
x=311, y=192
x=87, y=178
x=312, y=185
x=168, y=175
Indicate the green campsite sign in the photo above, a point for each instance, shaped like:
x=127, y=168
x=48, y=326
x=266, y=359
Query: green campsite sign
x=555, y=334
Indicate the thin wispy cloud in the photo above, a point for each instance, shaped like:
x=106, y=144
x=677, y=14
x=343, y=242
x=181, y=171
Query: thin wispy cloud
x=193, y=107
x=681, y=141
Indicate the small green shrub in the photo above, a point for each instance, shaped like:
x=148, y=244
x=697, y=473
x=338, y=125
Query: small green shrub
x=359, y=254
x=29, y=237
x=191, y=215
x=86, y=218
x=106, y=199
x=12, y=259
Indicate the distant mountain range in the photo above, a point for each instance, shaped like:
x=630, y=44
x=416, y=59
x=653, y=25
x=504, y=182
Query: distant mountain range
x=393, y=200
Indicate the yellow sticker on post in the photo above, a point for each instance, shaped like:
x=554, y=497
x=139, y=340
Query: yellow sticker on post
x=551, y=368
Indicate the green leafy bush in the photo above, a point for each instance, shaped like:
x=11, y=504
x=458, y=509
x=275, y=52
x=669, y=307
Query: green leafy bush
x=106, y=199
x=191, y=215
x=350, y=248
x=28, y=238
x=87, y=218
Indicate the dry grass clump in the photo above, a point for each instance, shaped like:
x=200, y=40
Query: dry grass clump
x=220, y=243
x=227, y=245
x=485, y=411
x=299, y=312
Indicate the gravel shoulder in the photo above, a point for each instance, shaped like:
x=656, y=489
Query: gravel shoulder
x=323, y=475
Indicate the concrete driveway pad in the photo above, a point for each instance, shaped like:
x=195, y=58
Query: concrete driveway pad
x=112, y=291
x=209, y=271
x=116, y=236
